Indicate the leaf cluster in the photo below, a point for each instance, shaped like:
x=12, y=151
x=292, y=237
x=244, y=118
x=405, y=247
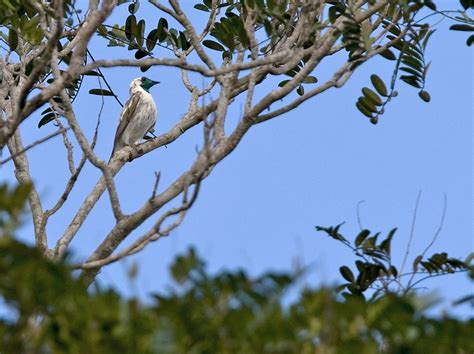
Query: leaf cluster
x=376, y=274
x=228, y=312
x=12, y=202
x=411, y=61
x=466, y=23
x=49, y=310
x=22, y=21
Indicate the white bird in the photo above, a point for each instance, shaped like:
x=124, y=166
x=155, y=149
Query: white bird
x=138, y=116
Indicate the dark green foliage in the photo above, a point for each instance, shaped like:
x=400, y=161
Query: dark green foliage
x=370, y=103
x=228, y=312
x=47, y=310
x=377, y=273
x=100, y=92
x=72, y=90
x=411, y=61
x=274, y=21
x=465, y=28
x=466, y=22
x=213, y=45
x=54, y=312
x=12, y=202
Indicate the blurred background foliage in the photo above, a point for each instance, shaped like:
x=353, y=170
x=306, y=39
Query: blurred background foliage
x=46, y=309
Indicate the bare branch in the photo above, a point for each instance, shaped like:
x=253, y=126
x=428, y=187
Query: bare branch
x=35, y=143
x=412, y=232
x=154, y=234
x=22, y=173
x=440, y=226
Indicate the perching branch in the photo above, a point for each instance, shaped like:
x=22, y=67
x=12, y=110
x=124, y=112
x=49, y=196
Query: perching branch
x=253, y=47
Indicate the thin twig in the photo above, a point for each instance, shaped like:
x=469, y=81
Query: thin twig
x=440, y=227
x=412, y=231
x=411, y=286
x=32, y=145
x=105, y=80
x=67, y=145
x=155, y=186
x=358, y=214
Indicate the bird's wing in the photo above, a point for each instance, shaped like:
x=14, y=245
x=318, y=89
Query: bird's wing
x=127, y=113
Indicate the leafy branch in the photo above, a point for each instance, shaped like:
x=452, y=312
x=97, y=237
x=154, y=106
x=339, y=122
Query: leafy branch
x=377, y=272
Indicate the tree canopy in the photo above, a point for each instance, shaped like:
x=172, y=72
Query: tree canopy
x=48, y=309
x=262, y=55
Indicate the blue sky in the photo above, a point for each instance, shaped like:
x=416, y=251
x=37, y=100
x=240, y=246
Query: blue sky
x=310, y=167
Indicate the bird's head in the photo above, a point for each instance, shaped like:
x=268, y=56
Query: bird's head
x=143, y=82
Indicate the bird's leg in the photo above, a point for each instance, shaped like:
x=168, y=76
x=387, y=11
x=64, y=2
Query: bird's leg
x=152, y=132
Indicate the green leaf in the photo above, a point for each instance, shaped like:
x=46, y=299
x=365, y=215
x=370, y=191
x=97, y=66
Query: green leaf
x=339, y=288
x=260, y=4
x=283, y=83
x=35, y=36
x=151, y=39
x=300, y=90
x=183, y=41
x=370, y=242
x=227, y=55
x=333, y=13
x=411, y=80
x=130, y=27
x=201, y=7
x=385, y=244
x=140, y=54
x=466, y=4
x=310, y=80
x=416, y=262
x=46, y=119
x=367, y=104
x=410, y=52
x=426, y=39
x=363, y=109
x=361, y=237
x=347, y=274
x=145, y=68
x=470, y=40
x=47, y=110
x=213, y=45
x=413, y=63
x=379, y=85
x=372, y=96
x=410, y=71
x=393, y=28
x=12, y=39
x=268, y=27
x=430, y=4
x=139, y=32
x=162, y=29
x=133, y=8
x=388, y=54
x=394, y=271
x=462, y=27
x=92, y=73
x=424, y=95
x=100, y=92
x=102, y=30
